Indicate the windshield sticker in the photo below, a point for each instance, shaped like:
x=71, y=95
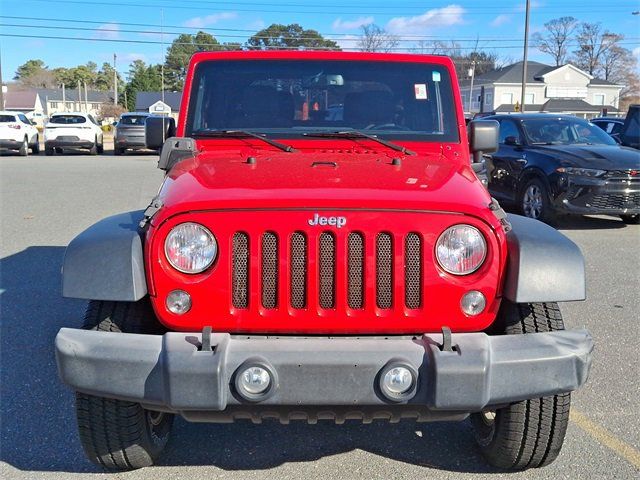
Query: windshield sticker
x=421, y=91
x=435, y=76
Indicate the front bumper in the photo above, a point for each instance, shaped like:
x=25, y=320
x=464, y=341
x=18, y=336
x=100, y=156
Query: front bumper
x=170, y=373
x=10, y=144
x=618, y=194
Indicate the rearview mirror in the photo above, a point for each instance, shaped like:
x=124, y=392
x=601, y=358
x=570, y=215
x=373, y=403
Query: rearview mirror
x=483, y=137
x=157, y=130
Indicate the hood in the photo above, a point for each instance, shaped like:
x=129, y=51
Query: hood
x=336, y=179
x=601, y=157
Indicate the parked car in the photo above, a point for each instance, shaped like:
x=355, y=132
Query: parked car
x=129, y=132
x=549, y=164
x=297, y=267
x=18, y=133
x=73, y=130
x=630, y=134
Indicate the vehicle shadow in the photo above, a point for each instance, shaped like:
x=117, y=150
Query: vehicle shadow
x=578, y=222
x=37, y=419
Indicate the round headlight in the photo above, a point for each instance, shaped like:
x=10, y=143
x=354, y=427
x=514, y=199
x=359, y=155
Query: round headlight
x=190, y=248
x=461, y=249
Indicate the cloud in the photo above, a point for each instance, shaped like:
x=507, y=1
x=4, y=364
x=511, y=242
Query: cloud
x=107, y=31
x=201, y=22
x=434, y=18
x=501, y=20
x=347, y=42
x=340, y=25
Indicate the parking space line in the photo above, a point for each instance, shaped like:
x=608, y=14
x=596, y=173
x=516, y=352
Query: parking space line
x=606, y=438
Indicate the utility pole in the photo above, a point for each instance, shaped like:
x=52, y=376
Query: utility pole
x=524, y=56
x=64, y=99
x=86, y=99
x=472, y=74
x=163, y=52
x=1, y=85
x=115, y=82
x=79, y=97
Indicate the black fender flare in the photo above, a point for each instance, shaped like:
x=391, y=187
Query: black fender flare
x=543, y=265
x=106, y=261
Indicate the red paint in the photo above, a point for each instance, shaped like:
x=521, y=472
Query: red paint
x=425, y=194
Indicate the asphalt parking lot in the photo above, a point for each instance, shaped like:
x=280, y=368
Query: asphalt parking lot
x=46, y=201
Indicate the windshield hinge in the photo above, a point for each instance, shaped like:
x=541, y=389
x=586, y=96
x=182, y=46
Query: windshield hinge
x=500, y=214
x=151, y=210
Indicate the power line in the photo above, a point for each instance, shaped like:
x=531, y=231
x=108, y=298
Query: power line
x=208, y=45
x=339, y=36
x=324, y=12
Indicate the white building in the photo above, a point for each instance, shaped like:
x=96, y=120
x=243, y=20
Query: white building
x=55, y=100
x=563, y=89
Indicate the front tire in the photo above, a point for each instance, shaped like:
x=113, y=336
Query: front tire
x=94, y=148
x=530, y=433
x=631, y=219
x=116, y=434
x=535, y=201
x=35, y=149
x=24, y=148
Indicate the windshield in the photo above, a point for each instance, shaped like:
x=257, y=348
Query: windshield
x=133, y=120
x=68, y=119
x=564, y=131
x=290, y=98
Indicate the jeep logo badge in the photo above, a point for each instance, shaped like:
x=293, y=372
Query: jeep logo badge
x=332, y=221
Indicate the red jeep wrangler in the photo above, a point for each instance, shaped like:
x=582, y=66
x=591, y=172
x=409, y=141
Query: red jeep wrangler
x=320, y=248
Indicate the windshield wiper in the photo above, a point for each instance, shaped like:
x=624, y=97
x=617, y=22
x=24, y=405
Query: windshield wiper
x=242, y=133
x=358, y=134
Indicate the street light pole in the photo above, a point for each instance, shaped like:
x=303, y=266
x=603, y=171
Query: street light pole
x=524, y=56
x=472, y=74
x=115, y=82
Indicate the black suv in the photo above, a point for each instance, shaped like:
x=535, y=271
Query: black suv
x=548, y=164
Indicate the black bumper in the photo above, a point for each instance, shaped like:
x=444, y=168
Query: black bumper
x=11, y=144
x=170, y=373
x=71, y=143
x=612, y=195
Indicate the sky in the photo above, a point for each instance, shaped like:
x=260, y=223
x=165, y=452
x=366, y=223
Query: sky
x=131, y=28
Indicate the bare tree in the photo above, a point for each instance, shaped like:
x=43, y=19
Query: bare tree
x=376, y=39
x=593, y=44
x=556, y=39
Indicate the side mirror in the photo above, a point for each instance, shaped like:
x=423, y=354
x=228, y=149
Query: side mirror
x=513, y=141
x=483, y=137
x=157, y=130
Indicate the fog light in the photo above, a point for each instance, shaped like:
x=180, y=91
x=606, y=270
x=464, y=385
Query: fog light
x=473, y=302
x=398, y=382
x=255, y=382
x=178, y=302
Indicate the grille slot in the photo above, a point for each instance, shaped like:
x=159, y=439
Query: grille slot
x=298, y=266
x=615, y=202
x=384, y=257
x=327, y=270
x=413, y=271
x=240, y=274
x=269, y=270
x=355, y=267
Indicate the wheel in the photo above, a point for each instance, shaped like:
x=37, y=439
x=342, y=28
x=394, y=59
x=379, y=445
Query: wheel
x=535, y=201
x=100, y=148
x=631, y=219
x=94, y=148
x=530, y=433
x=48, y=151
x=35, y=149
x=118, y=151
x=115, y=434
x=24, y=148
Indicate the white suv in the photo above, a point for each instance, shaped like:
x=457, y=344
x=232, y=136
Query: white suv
x=75, y=130
x=17, y=133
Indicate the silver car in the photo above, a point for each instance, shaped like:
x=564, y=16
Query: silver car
x=129, y=132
